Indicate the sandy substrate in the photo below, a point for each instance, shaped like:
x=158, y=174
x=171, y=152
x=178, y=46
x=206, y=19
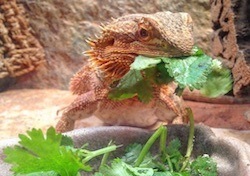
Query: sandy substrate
x=21, y=110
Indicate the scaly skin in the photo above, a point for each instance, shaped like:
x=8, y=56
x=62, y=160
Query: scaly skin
x=160, y=34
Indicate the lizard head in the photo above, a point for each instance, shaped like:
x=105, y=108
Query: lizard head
x=160, y=34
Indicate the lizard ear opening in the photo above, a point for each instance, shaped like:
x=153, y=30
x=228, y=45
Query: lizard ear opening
x=106, y=41
x=110, y=42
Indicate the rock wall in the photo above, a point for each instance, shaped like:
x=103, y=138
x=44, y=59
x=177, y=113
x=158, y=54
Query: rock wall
x=231, y=40
x=62, y=27
x=20, y=51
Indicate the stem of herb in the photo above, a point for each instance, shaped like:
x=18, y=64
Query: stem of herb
x=105, y=156
x=163, y=139
x=190, y=139
x=170, y=165
x=148, y=145
x=164, y=155
x=96, y=153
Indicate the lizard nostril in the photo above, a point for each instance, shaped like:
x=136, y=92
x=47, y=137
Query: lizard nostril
x=111, y=42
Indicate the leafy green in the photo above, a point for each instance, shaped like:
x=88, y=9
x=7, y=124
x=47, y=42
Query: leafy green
x=198, y=71
x=133, y=84
x=162, y=76
x=171, y=162
x=173, y=151
x=67, y=141
x=49, y=173
x=189, y=71
x=142, y=63
x=43, y=154
x=163, y=174
x=120, y=168
x=203, y=165
x=196, y=51
x=219, y=81
x=132, y=154
x=51, y=154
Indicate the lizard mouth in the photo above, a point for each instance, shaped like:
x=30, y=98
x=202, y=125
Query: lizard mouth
x=114, y=62
x=146, y=50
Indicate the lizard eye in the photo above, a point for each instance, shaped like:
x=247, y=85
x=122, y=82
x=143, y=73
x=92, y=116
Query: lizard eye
x=143, y=34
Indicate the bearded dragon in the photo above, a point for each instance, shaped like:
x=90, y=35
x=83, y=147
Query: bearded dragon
x=161, y=34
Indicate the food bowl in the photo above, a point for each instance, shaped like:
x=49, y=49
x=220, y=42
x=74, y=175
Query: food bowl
x=232, y=155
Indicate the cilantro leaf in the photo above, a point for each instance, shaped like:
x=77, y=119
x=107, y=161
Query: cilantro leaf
x=173, y=147
x=163, y=174
x=67, y=141
x=49, y=173
x=167, y=173
x=140, y=171
x=219, y=81
x=41, y=153
x=196, y=51
x=173, y=151
x=204, y=166
x=189, y=71
x=132, y=153
x=131, y=85
x=162, y=76
x=198, y=71
x=142, y=63
x=120, y=168
x=138, y=81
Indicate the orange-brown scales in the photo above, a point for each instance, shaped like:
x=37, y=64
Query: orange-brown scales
x=160, y=34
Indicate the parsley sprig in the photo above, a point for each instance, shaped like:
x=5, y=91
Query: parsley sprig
x=138, y=161
x=50, y=154
x=197, y=71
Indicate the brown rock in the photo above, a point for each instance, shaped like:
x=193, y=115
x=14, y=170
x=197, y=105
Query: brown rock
x=241, y=72
x=232, y=116
x=20, y=51
x=231, y=40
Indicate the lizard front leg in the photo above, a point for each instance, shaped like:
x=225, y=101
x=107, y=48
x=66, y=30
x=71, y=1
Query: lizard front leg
x=82, y=107
x=90, y=91
x=169, y=102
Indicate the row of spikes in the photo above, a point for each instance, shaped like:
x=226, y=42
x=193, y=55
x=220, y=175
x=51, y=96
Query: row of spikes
x=92, y=42
x=109, y=67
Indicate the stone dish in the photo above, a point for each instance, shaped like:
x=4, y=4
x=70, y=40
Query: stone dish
x=232, y=155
